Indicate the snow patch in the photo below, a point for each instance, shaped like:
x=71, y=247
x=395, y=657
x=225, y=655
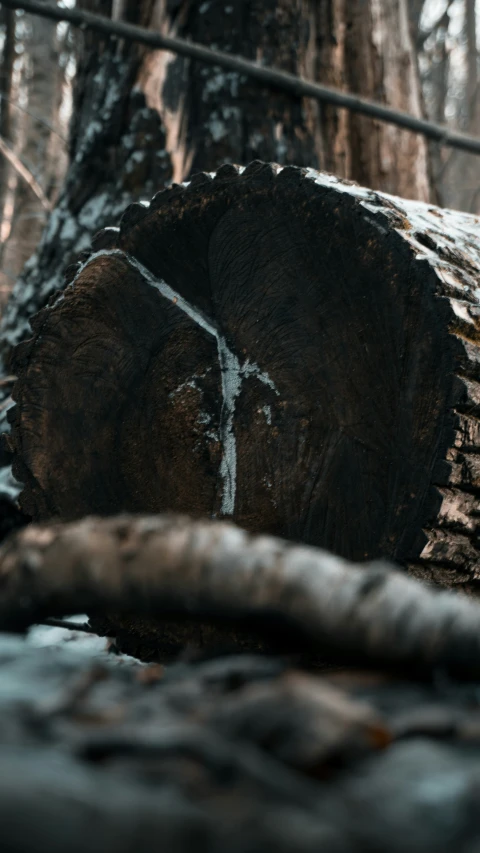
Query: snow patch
x=9, y=486
x=219, y=79
x=69, y=229
x=217, y=127
x=193, y=382
x=267, y=411
x=204, y=418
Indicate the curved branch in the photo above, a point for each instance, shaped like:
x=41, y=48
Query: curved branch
x=157, y=565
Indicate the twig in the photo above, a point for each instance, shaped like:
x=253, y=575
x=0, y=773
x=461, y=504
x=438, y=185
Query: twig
x=269, y=76
x=69, y=626
x=157, y=565
x=24, y=173
x=35, y=117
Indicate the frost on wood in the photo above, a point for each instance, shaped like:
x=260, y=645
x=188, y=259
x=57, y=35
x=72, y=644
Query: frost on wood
x=273, y=344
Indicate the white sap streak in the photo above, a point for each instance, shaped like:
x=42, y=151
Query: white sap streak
x=232, y=373
x=231, y=370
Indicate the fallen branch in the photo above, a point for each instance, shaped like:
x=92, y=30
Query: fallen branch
x=158, y=565
x=269, y=76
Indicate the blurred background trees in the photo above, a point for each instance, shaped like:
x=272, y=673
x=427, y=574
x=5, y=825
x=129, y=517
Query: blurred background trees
x=98, y=123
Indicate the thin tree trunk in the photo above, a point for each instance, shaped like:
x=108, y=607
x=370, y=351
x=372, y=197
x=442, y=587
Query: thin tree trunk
x=472, y=58
x=6, y=87
x=471, y=165
x=40, y=151
x=463, y=172
x=358, y=53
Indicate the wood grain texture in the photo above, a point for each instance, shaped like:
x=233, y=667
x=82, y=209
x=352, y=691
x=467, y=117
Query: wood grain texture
x=274, y=345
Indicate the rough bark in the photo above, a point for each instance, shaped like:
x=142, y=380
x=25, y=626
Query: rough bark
x=212, y=116
x=170, y=566
x=358, y=53
x=273, y=345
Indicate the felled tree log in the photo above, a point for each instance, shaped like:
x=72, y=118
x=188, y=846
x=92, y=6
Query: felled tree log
x=274, y=345
x=172, y=566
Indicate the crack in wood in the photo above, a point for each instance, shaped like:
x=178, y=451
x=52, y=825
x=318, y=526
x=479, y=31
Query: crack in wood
x=232, y=371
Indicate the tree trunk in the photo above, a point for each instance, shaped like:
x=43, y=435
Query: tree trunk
x=110, y=127
x=359, y=54
x=279, y=347
x=461, y=173
x=212, y=116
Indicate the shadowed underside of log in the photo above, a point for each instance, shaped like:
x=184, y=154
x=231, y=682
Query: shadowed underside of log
x=276, y=346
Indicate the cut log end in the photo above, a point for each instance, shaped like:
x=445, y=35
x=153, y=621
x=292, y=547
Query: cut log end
x=266, y=346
